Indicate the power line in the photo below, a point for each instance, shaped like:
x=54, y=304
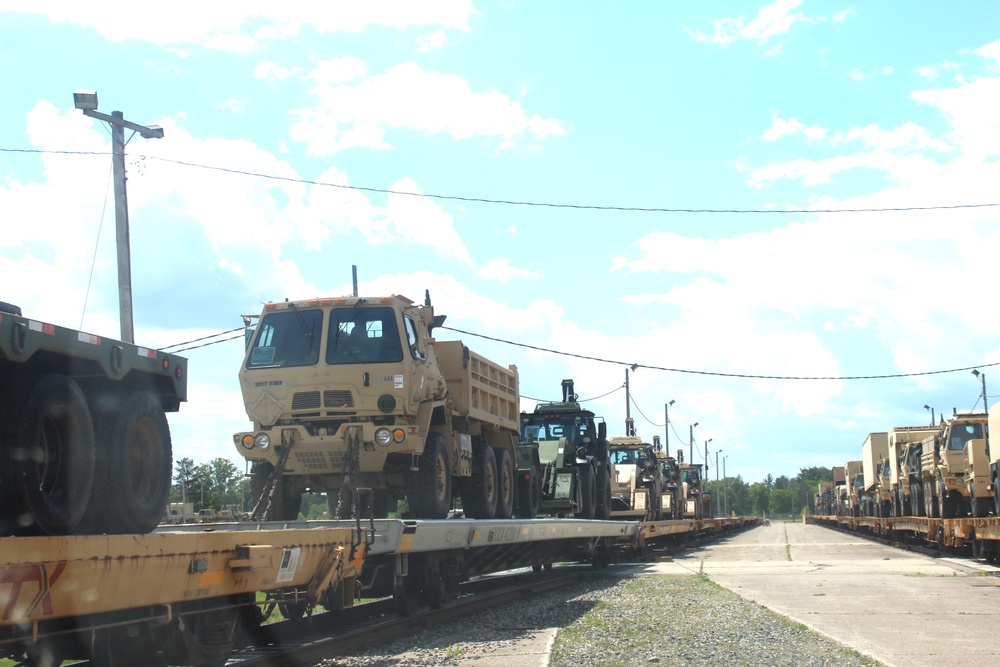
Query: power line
x=749, y=376
x=514, y=202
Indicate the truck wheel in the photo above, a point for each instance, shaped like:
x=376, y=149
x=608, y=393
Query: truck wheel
x=977, y=507
x=48, y=455
x=996, y=497
x=603, y=511
x=480, y=491
x=505, y=484
x=530, y=494
x=588, y=492
x=133, y=466
x=429, y=489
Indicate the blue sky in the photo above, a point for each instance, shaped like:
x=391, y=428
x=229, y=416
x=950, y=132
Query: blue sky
x=780, y=108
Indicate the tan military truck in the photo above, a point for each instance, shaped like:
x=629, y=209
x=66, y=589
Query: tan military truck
x=854, y=472
x=994, y=456
x=955, y=468
x=838, y=503
x=672, y=501
x=899, y=438
x=823, y=504
x=354, y=392
x=636, y=480
x=874, y=449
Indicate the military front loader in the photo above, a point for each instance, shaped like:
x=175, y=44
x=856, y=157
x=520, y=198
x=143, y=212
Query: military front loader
x=572, y=450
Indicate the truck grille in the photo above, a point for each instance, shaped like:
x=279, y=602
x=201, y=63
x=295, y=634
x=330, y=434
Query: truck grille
x=338, y=399
x=306, y=400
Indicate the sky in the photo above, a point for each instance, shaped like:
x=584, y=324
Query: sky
x=723, y=194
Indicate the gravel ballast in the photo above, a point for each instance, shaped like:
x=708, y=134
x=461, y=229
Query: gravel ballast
x=615, y=620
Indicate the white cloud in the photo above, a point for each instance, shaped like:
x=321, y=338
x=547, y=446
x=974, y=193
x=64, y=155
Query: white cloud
x=232, y=104
x=421, y=221
x=237, y=27
x=991, y=51
x=781, y=127
x=270, y=71
x=501, y=270
x=771, y=21
x=433, y=41
x=355, y=109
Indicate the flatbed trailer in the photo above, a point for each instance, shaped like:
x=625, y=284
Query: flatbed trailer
x=981, y=536
x=190, y=594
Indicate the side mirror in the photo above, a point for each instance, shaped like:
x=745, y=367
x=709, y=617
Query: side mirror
x=602, y=430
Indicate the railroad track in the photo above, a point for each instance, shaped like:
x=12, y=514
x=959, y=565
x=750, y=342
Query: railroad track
x=307, y=641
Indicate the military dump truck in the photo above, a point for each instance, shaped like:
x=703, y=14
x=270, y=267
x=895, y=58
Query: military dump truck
x=84, y=441
x=636, y=480
x=824, y=503
x=354, y=392
x=572, y=449
x=839, y=490
x=954, y=468
x=994, y=427
x=874, y=449
x=898, y=438
x=855, y=487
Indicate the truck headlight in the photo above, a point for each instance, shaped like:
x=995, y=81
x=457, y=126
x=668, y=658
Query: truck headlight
x=383, y=436
x=262, y=441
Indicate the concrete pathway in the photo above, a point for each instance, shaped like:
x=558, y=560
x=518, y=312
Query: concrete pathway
x=903, y=609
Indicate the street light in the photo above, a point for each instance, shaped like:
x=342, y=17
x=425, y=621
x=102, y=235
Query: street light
x=666, y=426
x=691, y=433
x=927, y=407
x=982, y=376
x=86, y=101
x=718, y=500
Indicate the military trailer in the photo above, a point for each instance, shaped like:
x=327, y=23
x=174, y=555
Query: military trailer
x=84, y=441
x=354, y=392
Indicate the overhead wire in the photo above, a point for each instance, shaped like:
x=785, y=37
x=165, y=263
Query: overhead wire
x=515, y=202
x=690, y=371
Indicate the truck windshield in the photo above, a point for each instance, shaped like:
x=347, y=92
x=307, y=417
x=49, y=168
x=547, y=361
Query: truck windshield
x=962, y=433
x=288, y=338
x=363, y=336
x=553, y=429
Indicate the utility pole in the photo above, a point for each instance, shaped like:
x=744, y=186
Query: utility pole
x=87, y=102
x=628, y=407
x=982, y=376
x=718, y=500
x=725, y=484
x=666, y=424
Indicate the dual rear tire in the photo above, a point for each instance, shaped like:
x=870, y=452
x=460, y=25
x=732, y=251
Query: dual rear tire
x=76, y=463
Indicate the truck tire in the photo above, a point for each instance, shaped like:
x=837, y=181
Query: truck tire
x=134, y=462
x=588, y=492
x=530, y=496
x=429, y=488
x=47, y=451
x=996, y=496
x=480, y=490
x=505, y=484
x=978, y=507
x=603, y=510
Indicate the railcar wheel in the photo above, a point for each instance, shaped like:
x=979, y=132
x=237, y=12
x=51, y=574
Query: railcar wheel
x=133, y=464
x=48, y=455
x=505, y=484
x=406, y=595
x=480, y=491
x=292, y=610
x=429, y=488
x=208, y=636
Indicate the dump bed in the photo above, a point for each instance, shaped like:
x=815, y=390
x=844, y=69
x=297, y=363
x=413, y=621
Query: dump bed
x=874, y=449
x=478, y=387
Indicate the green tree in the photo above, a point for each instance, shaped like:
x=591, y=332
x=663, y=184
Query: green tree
x=760, y=492
x=183, y=480
x=216, y=483
x=780, y=501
